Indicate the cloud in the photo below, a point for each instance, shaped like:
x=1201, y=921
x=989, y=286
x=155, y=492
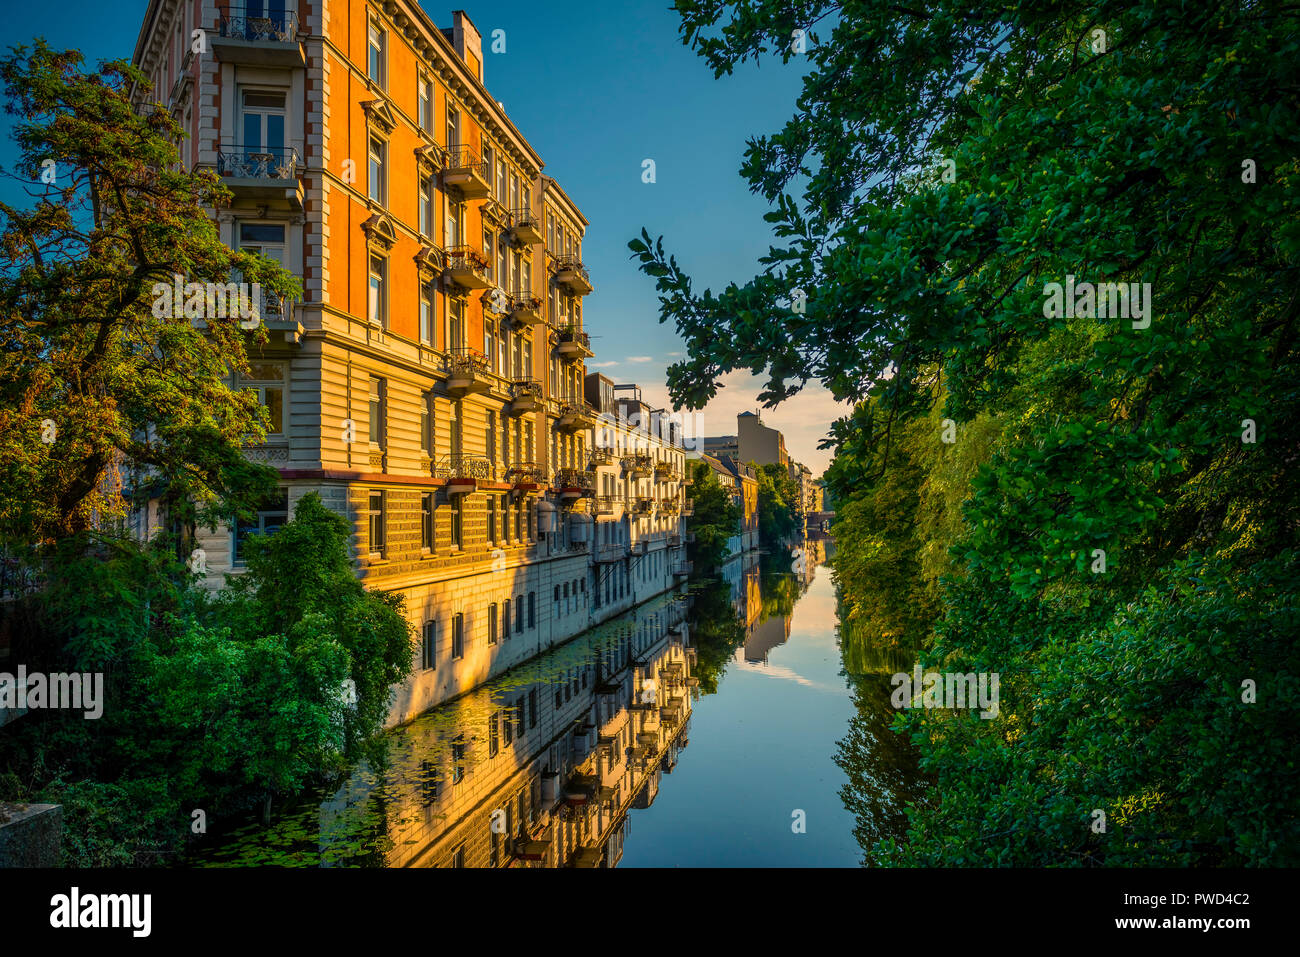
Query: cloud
x=601, y=365
x=676, y=355
x=639, y=359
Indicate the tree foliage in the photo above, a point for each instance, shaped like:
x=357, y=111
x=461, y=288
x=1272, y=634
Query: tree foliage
x=96, y=391
x=1101, y=509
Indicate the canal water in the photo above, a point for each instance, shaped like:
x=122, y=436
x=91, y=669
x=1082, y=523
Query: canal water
x=732, y=723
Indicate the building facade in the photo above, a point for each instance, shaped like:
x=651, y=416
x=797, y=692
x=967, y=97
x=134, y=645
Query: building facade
x=430, y=383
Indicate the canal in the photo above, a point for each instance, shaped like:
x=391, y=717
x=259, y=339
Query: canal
x=732, y=723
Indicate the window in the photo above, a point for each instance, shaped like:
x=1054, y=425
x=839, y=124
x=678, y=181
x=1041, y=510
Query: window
x=424, y=103
x=378, y=182
x=532, y=709
x=494, y=731
x=492, y=623
x=453, y=126
x=491, y=519
x=519, y=613
x=377, y=411
x=376, y=523
x=426, y=521
x=426, y=423
x=457, y=334
x=267, y=380
x=429, y=646
x=426, y=205
x=458, y=635
x=428, y=782
x=506, y=628
x=273, y=513
x=532, y=609
x=458, y=522
x=456, y=419
x=490, y=438
x=519, y=733
x=457, y=774
x=263, y=115
x=507, y=727
x=378, y=50
x=378, y=308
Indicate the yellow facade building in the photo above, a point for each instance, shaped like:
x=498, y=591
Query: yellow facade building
x=431, y=382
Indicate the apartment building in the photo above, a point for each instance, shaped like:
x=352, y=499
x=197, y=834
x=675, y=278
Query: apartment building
x=429, y=385
x=741, y=482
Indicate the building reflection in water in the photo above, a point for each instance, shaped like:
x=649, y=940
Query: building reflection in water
x=540, y=768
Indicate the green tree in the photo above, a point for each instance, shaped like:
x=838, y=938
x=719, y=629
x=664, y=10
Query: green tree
x=716, y=519
x=97, y=390
x=778, y=505
x=1125, y=485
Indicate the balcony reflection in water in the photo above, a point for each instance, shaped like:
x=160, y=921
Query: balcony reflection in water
x=540, y=768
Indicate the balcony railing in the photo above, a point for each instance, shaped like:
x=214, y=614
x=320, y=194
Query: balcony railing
x=255, y=36
x=526, y=309
x=601, y=457
x=468, y=171
x=571, y=273
x=467, y=371
x=638, y=464
x=258, y=162
x=605, y=504
x=462, y=467
x=526, y=226
x=575, y=478
x=688, y=507
x=643, y=506
x=525, y=396
x=671, y=507
x=666, y=472
x=575, y=416
x=467, y=267
x=277, y=28
x=571, y=341
x=526, y=473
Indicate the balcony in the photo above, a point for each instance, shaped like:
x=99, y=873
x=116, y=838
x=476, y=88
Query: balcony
x=574, y=483
x=467, y=172
x=688, y=507
x=467, y=372
x=526, y=476
x=643, y=506
x=467, y=268
x=262, y=174
x=462, y=472
x=581, y=789
x=573, y=343
x=526, y=309
x=535, y=847
x=602, y=457
x=526, y=227
x=573, y=275
x=605, y=504
x=670, y=507
x=608, y=553
x=674, y=541
x=258, y=40
x=638, y=466
x=575, y=416
x=666, y=472
x=525, y=396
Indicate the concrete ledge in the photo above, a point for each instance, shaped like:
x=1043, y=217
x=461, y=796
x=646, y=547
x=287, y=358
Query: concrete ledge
x=31, y=835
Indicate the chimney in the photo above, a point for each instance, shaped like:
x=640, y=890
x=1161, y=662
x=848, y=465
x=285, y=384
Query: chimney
x=465, y=38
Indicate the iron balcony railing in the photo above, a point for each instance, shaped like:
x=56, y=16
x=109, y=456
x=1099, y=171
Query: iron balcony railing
x=572, y=264
x=638, y=463
x=575, y=478
x=466, y=158
x=258, y=162
x=463, y=466
x=570, y=334
x=602, y=457
x=526, y=473
x=525, y=217
x=666, y=471
x=526, y=389
x=249, y=23
x=467, y=257
x=467, y=362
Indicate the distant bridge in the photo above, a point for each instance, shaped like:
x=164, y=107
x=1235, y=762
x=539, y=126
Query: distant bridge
x=820, y=520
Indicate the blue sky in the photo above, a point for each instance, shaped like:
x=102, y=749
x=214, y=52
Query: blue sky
x=597, y=88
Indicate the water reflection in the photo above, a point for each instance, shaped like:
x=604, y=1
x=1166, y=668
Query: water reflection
x=545, y=766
